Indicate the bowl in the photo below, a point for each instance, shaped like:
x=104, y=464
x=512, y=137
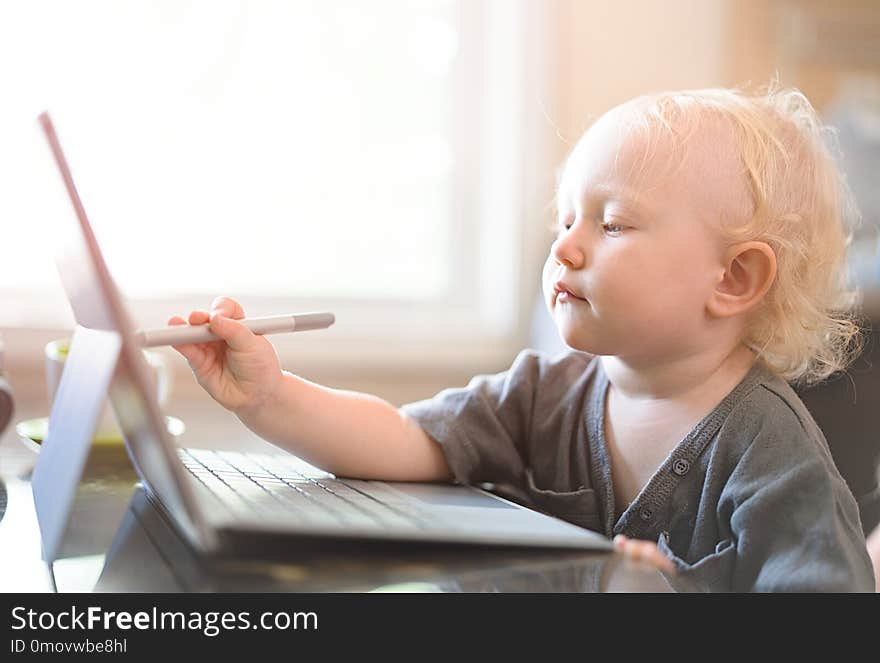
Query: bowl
x=32, y=432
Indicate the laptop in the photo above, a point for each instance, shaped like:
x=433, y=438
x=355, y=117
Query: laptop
x=222, y=500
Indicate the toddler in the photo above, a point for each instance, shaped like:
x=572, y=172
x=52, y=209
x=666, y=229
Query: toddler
x=699, y=268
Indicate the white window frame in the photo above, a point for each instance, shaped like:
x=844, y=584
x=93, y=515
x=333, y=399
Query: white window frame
x=504, y=169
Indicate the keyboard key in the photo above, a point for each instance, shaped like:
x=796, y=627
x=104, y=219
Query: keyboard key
x=283, y=485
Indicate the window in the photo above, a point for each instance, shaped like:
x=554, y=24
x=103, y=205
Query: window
x=362, y=158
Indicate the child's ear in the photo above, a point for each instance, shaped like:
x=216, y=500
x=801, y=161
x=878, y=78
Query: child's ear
x=749, y=270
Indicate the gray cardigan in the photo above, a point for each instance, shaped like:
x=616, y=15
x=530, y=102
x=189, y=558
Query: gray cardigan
x=749, y=500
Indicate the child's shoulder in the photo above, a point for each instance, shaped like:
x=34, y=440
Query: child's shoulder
x=565, y=369
x=771, y=415
x=770, y=400
x=566, y=360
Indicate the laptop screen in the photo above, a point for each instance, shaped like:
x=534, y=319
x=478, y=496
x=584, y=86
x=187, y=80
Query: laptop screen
x=96, y=304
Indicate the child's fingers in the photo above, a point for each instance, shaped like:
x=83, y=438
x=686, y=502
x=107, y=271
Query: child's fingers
x=652, y=554
x=199, y=317
x=236, y=335
x=191, y=351
x=631, y=548
x=227, y=307
x=224, y=316
x=643, y=551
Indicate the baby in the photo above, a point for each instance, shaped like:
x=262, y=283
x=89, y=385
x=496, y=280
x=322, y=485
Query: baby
x=699, y=268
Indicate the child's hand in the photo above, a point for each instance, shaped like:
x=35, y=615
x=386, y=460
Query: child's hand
x=643, y=551
x=242, y=371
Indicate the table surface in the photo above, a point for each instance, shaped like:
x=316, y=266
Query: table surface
x=112, y=544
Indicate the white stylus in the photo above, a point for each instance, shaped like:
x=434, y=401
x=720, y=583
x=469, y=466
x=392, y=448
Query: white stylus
x=272, y=324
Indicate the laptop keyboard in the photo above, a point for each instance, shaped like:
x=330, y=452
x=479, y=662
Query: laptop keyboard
x=253, y=484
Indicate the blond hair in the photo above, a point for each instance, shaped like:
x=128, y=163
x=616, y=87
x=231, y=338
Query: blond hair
x=806, y=328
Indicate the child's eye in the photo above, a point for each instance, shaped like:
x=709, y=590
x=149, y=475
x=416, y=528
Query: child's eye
x=612, y=228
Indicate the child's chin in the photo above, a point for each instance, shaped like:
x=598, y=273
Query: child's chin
x=580, y=340
x=576, y=342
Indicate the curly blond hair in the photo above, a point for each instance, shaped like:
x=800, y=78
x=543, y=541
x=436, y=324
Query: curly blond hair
x=807, y=327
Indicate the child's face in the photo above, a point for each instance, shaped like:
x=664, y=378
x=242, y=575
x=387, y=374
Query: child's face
x=642, y=251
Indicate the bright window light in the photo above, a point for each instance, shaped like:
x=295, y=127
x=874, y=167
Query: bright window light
x=308, y=151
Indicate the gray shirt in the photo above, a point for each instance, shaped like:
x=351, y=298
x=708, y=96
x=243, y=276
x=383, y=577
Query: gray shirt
x=749, y=500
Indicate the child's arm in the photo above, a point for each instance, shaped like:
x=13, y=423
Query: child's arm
x=343, y=432
x=347, y=433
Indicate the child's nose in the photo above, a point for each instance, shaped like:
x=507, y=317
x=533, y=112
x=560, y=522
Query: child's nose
x=565, y=251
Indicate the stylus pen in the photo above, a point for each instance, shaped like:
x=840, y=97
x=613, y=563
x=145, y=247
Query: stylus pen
x=272, y=324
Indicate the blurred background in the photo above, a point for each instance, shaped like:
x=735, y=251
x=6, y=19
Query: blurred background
x=392, y=161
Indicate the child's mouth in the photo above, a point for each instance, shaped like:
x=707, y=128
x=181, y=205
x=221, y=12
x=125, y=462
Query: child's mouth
x=568, y=297
x=564, y=294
